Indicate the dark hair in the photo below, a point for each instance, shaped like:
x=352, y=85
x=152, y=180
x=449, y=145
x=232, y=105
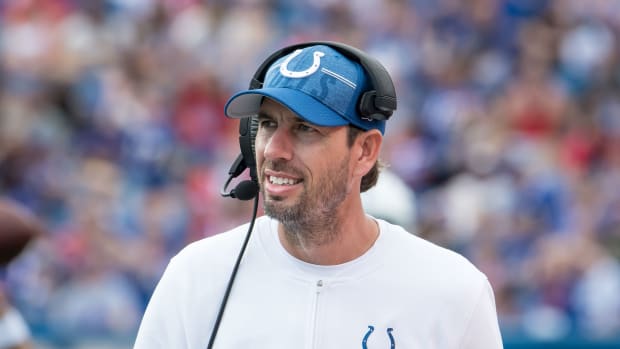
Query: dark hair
x=370, y=179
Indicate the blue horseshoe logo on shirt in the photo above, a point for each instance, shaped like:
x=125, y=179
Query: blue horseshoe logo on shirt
x=371, y=329
x=316, y=62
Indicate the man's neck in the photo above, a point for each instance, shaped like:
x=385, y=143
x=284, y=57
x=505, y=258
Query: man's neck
x=330, y=244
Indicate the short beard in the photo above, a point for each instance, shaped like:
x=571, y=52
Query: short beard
x=313, y=220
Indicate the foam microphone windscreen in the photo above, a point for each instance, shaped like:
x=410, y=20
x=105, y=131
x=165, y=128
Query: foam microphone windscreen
x=246, y=190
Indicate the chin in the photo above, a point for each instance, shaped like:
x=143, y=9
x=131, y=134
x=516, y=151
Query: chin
x=278, y=202
x=277, y=205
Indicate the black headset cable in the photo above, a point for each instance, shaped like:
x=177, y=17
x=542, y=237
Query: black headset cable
x=233, y=275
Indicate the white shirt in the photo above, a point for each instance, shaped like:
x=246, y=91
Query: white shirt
x=404, y=292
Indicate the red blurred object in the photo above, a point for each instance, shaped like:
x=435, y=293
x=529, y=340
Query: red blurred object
x=18, y=226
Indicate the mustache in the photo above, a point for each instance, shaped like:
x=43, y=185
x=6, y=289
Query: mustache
x=281, y=166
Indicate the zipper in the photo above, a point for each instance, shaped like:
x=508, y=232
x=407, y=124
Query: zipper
x=315, y=322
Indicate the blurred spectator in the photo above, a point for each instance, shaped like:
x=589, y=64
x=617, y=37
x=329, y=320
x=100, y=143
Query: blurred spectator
x=18, y=229
x=378, y=201
x=14, y=332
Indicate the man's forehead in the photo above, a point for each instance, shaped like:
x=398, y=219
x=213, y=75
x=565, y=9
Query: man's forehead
x=273, y=110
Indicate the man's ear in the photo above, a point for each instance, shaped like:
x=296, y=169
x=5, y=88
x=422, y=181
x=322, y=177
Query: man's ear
x=368, y=147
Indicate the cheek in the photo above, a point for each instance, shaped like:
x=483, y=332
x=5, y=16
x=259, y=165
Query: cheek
x=329, y=164
x=260, y=142
x=258, y=155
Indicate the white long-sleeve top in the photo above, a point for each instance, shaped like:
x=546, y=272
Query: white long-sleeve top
x=404, y=292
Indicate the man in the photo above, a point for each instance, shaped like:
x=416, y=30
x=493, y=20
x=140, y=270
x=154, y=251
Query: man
x=318, y=271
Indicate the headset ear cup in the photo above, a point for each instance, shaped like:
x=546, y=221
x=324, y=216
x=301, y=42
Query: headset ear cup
x=252, y=164
x=366, y=106
x=247, y=134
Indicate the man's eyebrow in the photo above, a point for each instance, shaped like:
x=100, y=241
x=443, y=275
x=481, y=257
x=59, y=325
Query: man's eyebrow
x=263, y=115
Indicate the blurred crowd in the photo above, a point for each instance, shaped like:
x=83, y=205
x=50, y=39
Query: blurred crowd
x=507, y=134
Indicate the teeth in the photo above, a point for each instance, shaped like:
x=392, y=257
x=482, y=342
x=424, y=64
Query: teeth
x=281, y=180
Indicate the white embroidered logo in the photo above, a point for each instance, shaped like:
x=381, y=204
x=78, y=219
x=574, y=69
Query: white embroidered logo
x=301, y=74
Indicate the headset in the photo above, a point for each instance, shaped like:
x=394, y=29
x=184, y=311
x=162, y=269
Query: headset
x=248, y=189
x=378, y=104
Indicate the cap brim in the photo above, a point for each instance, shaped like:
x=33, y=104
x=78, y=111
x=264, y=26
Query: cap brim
x=247, y=103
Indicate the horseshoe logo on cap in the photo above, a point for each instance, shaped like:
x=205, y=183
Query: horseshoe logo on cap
x=301, y=74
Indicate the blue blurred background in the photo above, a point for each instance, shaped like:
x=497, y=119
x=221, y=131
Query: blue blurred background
x=506, y=143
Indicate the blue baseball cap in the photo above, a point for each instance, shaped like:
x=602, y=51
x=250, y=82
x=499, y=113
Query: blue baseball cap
x=317, y=83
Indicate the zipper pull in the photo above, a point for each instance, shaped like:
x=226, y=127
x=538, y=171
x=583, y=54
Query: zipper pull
x=319, y=286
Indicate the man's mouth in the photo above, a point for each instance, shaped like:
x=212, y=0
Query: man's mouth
x=283, y=180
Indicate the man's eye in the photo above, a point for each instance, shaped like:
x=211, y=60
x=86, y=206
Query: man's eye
x=305, y=128
x=266, y=123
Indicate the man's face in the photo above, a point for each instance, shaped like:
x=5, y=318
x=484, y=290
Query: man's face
x=304, y=170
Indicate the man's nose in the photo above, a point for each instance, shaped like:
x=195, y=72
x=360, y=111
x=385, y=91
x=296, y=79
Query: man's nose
x=279, y=145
